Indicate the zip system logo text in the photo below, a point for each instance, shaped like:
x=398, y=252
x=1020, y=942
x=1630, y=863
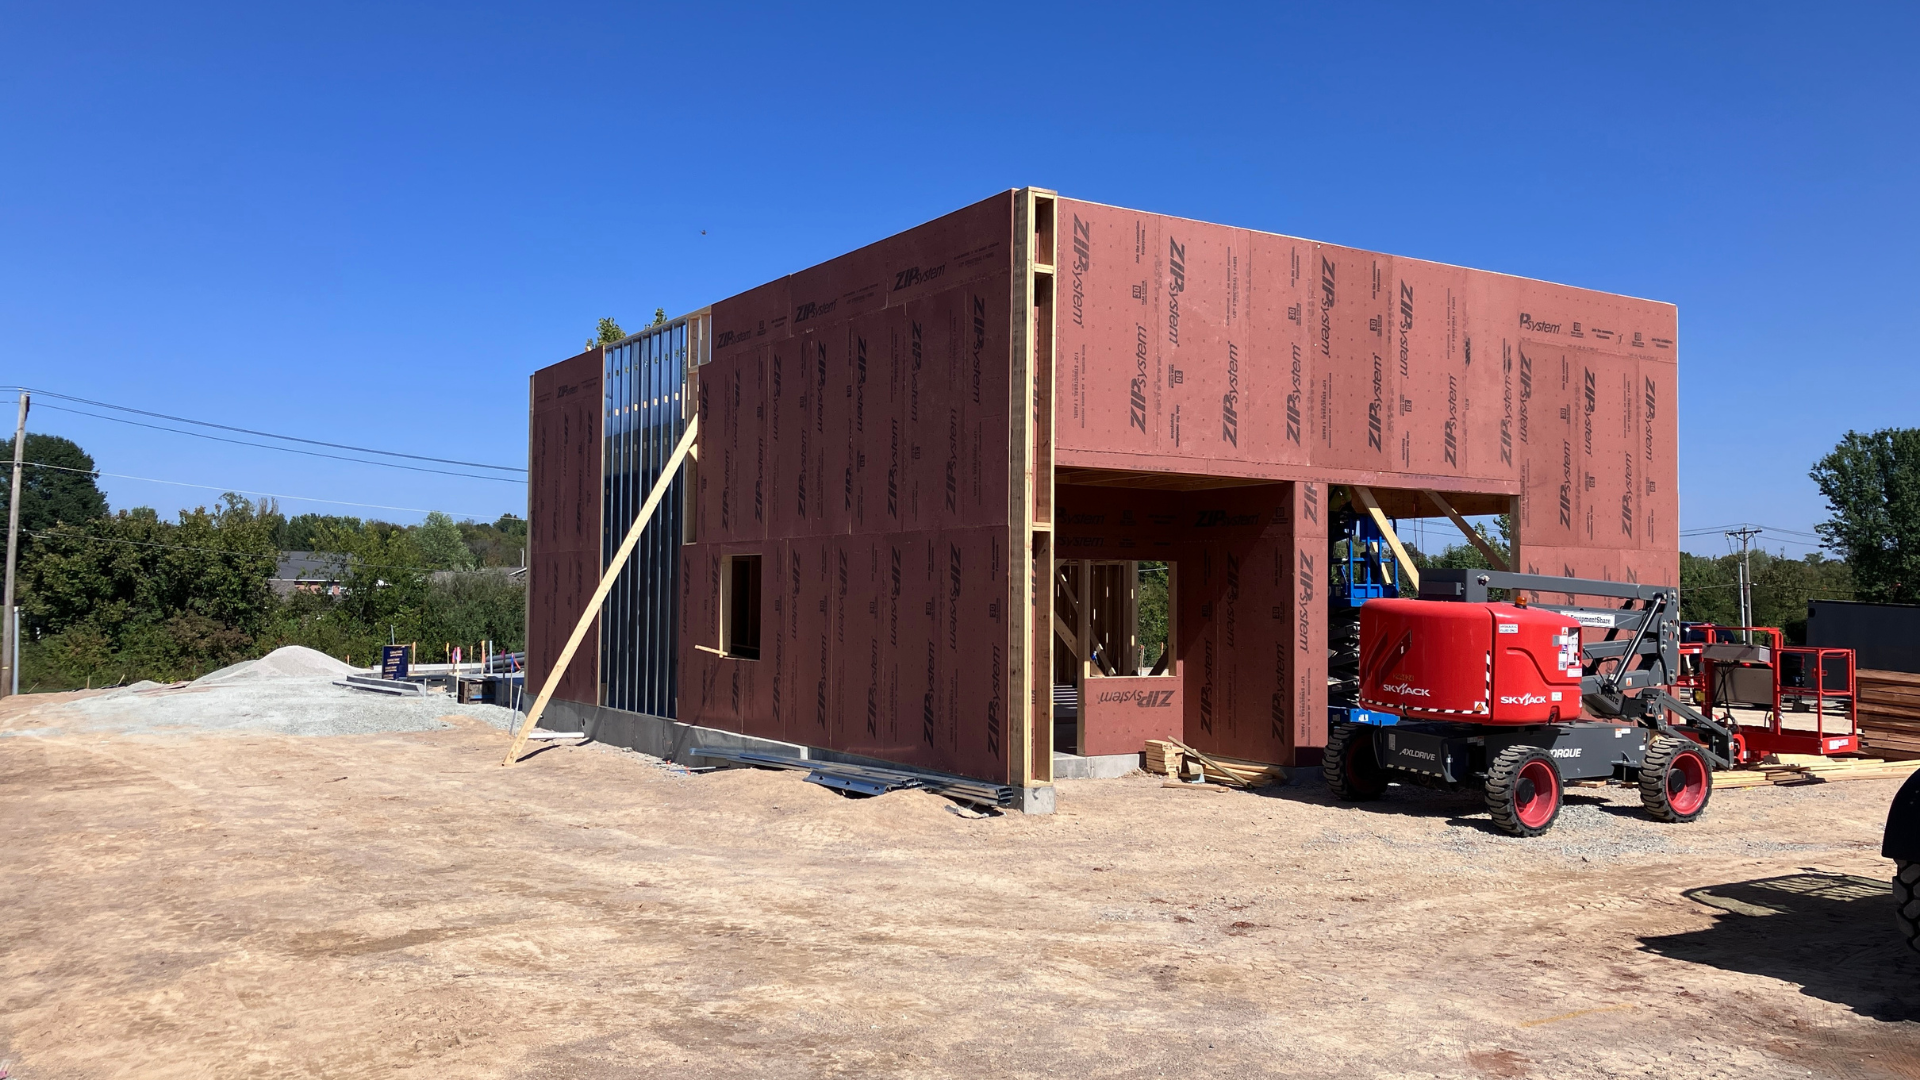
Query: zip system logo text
x=1229, y=414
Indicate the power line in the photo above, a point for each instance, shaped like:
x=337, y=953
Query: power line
x=287, y=449
x=1721, y=529
x=269, y=434
x=239, y=491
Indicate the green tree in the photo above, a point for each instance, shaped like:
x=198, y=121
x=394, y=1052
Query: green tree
x=467, y=609
x=1709, y=589
x=1153, y=612
x=606, y=333
x=499, y=543
x=1465, y=556
x=659, y=316
x=57, y=483
x=385, y=584
x=297, y=533
x=131, y=596
x=1872, y=486
x=442, y=547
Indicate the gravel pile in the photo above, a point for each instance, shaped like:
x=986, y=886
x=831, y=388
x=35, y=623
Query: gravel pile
x=287, y=662
x=290, y=691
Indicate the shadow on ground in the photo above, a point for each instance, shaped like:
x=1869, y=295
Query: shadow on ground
x=1464, y=807
x=1831, y=934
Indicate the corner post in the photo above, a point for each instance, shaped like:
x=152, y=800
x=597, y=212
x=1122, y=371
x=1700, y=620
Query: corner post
x=1030, y=495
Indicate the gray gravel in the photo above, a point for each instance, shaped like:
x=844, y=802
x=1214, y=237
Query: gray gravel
x=286, y=706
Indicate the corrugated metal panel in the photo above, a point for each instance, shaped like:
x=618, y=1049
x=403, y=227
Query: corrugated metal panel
x=644, y=417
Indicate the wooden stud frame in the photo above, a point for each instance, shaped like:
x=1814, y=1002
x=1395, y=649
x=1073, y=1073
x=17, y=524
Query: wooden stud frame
x=1030, y=492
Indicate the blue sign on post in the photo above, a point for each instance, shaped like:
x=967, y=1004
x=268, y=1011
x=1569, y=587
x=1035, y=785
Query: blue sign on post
x=393, y=661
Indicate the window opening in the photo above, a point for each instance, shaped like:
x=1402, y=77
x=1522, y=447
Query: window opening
x=1115, y=618
x=1152, y=614
x=740, y=607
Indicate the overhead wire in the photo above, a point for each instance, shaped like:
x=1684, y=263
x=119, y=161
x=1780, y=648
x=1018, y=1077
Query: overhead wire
x=290, y=449
x=239, y=491
x=267, y=434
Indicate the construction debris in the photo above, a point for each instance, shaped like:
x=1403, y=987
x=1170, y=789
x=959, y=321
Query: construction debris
x=867, y=779
x=1174, y=759
x=404, y=687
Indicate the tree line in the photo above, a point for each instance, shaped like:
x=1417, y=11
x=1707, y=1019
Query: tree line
x=114, y=597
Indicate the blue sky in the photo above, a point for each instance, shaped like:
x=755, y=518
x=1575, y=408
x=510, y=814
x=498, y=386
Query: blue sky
x=368, y=224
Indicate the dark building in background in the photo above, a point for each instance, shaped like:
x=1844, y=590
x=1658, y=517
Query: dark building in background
x=1883, y=637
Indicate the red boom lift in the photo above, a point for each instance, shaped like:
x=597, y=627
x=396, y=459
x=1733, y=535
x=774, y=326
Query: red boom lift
x=1490, y=694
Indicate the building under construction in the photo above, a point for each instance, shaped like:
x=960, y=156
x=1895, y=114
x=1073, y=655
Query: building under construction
x=1050, y=477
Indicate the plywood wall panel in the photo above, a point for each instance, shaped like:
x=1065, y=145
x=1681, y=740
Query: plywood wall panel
x=1275, y=405
x=1305, y=609
x=786, y=438
x=732, y=471
x=886, y=427
x=758, y=316
x=863, y=654
x=974, y=739
x=1200, y=335
x=563, y=506
x=916, y=725
x=869, y=421
x=1110, y=395
x=1362, y=387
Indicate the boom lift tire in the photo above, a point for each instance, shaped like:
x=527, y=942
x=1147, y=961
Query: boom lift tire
x=1524, y=790
x=1352, y=770
x=1675, y=779
x=1906, y=901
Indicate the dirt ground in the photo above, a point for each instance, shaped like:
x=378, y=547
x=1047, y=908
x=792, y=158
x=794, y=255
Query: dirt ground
x=228, y=904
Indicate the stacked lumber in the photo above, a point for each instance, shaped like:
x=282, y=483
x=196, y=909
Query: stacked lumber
x=1814, y=769
x=1163, y=758
x=1171, y=757
x=1888, y=706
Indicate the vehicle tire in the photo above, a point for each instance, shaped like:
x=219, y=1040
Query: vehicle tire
x=1906, y=901
x=1350, y=765
x=1524, y=790
x=1675, y=779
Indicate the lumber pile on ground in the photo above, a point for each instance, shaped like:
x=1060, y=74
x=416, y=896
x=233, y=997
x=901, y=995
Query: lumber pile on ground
x=1888, y=705
x=1814, y=769
x=1162, y=758
x=1173, y=758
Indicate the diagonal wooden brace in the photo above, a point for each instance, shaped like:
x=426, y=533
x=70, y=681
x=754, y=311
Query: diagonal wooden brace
x=614, y=566
x=1408, y=571
x=1494, y=561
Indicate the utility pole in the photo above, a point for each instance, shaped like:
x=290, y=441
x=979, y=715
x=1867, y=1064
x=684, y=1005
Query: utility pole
x=8, y=646
x=1745, y=535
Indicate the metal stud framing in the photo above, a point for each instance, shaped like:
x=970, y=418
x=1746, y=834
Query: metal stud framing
x=647, y=406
